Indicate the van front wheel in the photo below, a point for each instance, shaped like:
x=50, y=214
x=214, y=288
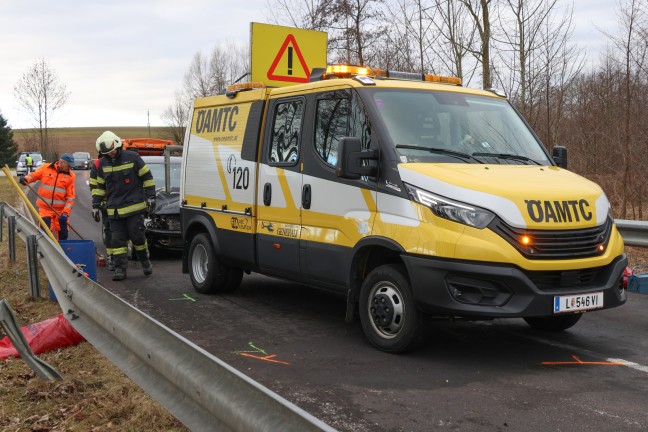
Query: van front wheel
x=208, y=275
x=387, y=311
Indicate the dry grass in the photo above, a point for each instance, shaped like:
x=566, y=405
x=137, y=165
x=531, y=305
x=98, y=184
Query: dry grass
x=92, y=396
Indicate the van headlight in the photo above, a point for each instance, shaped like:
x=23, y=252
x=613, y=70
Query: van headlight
x=452, y=210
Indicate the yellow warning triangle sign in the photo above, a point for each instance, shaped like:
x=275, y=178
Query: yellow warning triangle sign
x=285, y=71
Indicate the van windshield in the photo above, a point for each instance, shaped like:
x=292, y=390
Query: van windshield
x=435, y=126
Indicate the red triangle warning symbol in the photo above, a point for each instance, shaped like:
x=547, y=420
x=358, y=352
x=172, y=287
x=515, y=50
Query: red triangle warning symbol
x=290, y=52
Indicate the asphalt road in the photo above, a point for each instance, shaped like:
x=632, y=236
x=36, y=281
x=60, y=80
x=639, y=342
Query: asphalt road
x=488, y=376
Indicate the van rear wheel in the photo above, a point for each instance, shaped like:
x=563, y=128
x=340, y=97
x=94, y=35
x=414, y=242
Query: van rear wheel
x=208, y=275
x=388, y=314
x=553, y=323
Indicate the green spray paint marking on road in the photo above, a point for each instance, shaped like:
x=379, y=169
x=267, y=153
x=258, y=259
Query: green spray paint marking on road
x=184, y=297
x=256, y=350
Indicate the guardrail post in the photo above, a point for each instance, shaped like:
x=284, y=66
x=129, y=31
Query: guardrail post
x=10, y=325
x=11, y=223
x=32, y=264
x=1, y=219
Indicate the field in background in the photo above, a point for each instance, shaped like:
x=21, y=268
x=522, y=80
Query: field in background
x=69, y=140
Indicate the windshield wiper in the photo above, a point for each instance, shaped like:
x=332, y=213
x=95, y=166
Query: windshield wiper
x=456, y=154
x=508, y=156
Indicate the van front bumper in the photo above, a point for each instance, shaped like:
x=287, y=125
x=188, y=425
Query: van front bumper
x=492, y=290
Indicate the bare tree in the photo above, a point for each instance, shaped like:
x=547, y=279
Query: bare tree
x=553, y=71
x=538, y=62
x=520, y=39
x=229, y=63
x=207, y=76
x=633, y=50
x=198, y=80
x=40, y=93
x=304, y=14
x=411, y=33
x=355, y=30
x=176, y=116
x=481, y=12
x=453, y=24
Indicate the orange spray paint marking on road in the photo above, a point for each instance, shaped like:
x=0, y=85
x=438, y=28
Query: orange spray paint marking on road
x=266, y=357
x=580, y=362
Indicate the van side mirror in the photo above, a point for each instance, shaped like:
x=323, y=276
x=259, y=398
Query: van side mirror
x=350, y=158
x=560, y=156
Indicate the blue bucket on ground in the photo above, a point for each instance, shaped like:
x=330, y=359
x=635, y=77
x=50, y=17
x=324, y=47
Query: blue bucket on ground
x=81, y=253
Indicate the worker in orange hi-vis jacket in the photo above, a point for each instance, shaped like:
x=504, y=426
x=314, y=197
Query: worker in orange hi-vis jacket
x=56, y=193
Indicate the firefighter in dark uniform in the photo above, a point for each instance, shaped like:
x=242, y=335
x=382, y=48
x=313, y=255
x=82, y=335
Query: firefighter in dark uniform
x=126, y=185
x=106, y=236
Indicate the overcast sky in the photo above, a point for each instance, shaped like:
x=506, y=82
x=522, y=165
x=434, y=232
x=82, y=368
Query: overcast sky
x=122, y=59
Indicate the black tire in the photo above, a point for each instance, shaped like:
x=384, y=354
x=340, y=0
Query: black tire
x=553, y=323
x=208, y=275
x=387, y=311
x=234, y=278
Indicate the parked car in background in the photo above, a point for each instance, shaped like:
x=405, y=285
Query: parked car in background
x=82, y=160
x=163, y=226
x=21, y=167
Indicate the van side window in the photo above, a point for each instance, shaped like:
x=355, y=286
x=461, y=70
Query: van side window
x=339, y=114
x=286, y=132
x=331, y=124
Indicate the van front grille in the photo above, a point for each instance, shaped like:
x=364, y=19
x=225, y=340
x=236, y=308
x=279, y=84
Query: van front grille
x=556, y=244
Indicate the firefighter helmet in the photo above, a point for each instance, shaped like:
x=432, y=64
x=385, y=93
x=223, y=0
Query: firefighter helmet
x=108, y=142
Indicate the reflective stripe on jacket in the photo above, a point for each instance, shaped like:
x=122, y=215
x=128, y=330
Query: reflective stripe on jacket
x=56, y=188
x=92, y=180
x=123, y=183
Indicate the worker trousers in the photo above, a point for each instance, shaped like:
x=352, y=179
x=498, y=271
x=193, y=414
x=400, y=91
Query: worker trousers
x=124, y=229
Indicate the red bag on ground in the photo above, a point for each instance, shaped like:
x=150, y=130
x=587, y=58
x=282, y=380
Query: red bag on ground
x=44, y=336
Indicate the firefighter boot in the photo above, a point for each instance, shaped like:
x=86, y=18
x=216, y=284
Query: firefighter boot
x=147, y=267
x=120, y=263
x=119, y=274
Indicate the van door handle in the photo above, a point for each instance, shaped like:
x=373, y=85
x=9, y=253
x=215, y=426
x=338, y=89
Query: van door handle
x=267, y=194
x=306, y=196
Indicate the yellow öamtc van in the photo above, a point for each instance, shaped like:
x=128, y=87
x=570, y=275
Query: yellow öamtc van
x=407, y=193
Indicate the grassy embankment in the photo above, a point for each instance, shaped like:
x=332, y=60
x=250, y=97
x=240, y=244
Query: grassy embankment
x=92, y=396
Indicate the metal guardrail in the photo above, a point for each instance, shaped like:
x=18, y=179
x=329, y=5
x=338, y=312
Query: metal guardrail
x=634, y=233
x=12, y=328
x=199, y=389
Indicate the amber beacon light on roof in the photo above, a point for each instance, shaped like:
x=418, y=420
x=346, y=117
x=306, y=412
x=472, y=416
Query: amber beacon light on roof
x=363, y=74
x=348, y=71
